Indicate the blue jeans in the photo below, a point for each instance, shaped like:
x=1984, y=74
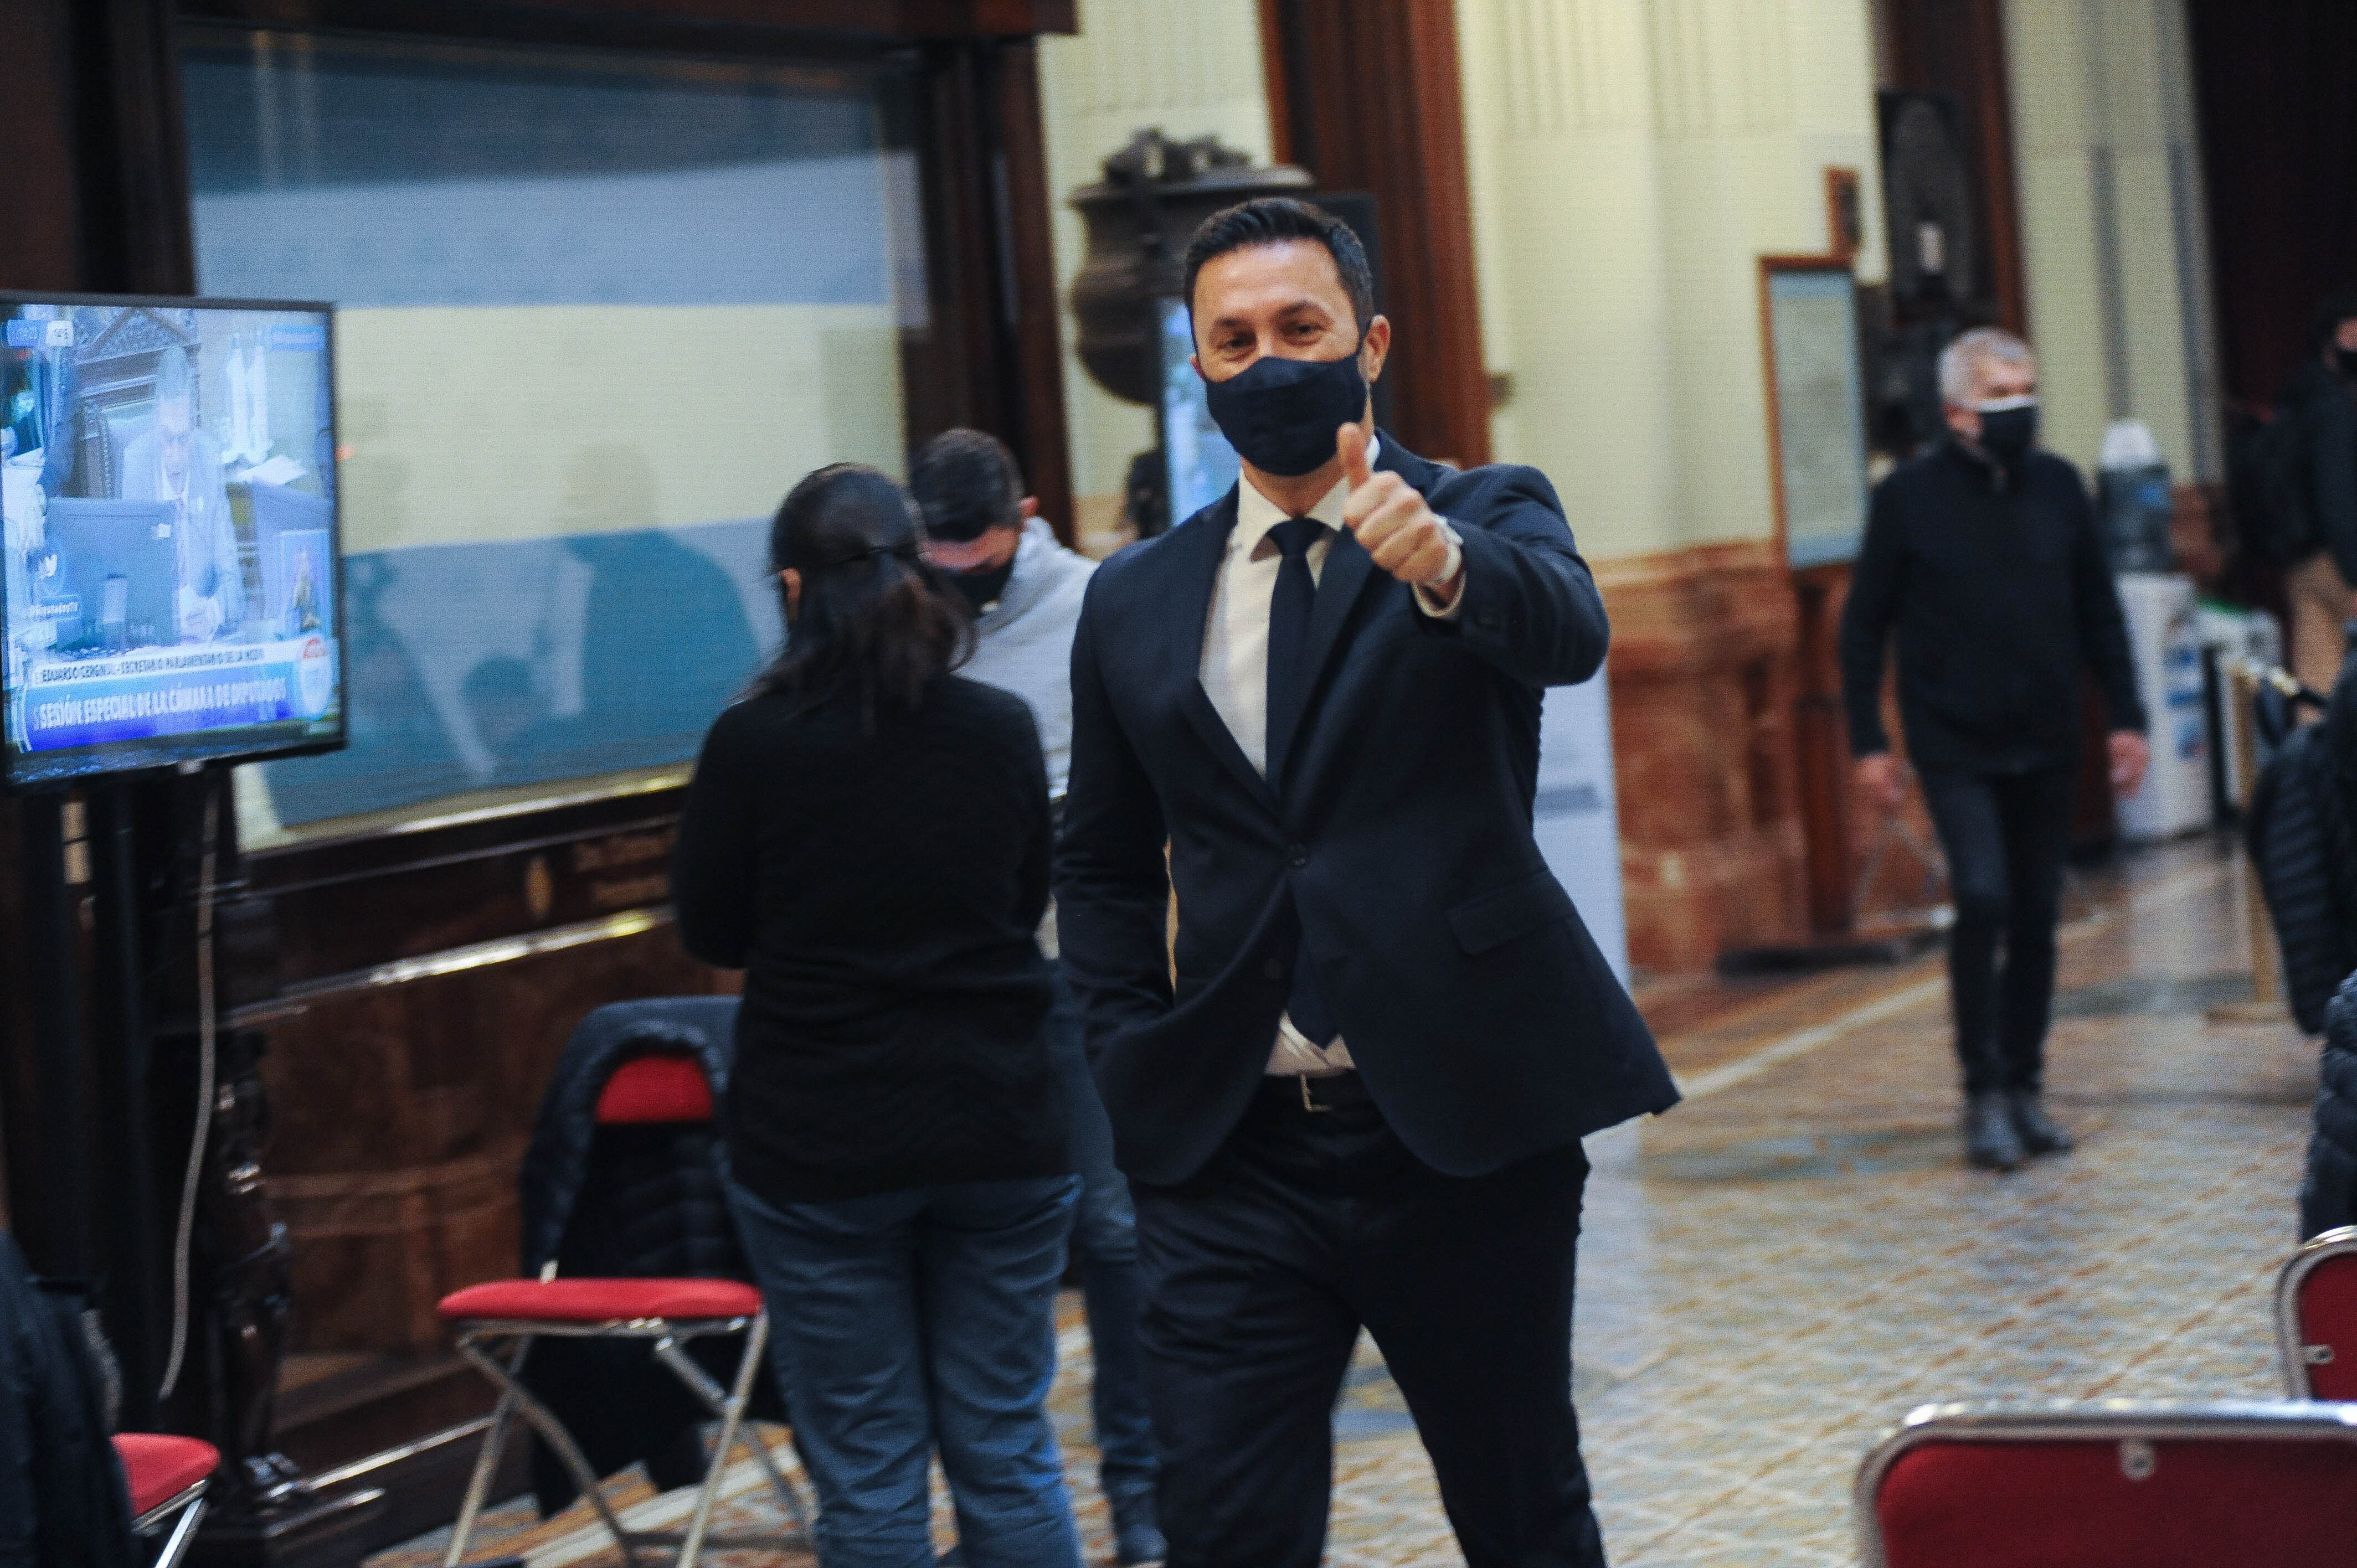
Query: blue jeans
x=1105, y=1241
x=910, y=1321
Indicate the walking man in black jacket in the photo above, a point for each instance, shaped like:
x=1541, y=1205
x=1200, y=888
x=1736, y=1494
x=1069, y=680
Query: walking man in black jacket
x=1983, y=555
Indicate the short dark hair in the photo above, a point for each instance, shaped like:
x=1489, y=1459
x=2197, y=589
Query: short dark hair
x=966, y=484
x=1272, y=221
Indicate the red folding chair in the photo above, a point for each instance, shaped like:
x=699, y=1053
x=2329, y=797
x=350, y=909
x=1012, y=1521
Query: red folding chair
x=167, y=1477
x=496, y=1324
x=2316, y=1317
x=2114, y=1484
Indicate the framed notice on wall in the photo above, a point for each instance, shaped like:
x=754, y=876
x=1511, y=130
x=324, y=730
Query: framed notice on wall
x=1816, y=407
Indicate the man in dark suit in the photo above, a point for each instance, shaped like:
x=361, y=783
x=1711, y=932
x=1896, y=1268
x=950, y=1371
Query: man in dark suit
x=1352, y=1094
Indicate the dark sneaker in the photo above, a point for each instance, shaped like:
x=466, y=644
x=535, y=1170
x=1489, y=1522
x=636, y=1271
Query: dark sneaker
x=1990, y=1140
x=1136, y=1532
x=2040, y=1133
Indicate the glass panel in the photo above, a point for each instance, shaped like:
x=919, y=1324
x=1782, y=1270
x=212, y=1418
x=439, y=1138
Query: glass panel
x=594, y=316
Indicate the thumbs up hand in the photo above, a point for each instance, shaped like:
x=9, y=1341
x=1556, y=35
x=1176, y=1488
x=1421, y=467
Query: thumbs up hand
x=1392, y=521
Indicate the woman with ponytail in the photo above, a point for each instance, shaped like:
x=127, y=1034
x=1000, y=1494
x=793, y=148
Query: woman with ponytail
x=867, y=838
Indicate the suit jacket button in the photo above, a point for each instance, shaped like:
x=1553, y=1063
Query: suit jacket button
x=1273, y=968
x=1297, y=854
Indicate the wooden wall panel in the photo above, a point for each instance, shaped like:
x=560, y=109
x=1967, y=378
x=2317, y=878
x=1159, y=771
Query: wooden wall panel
x=1830, y=809
x=1957, y=46
x=1704, y=678
x=1365, y=94
x=38, y=115
x=1040, y=444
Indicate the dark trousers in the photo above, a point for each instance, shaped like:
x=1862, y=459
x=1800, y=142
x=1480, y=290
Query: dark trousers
x=1104, y=1243
x=2006, y=836
x=1260, y=1273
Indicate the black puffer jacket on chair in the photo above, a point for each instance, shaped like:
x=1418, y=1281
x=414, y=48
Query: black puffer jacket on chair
x=2328, y=1197
x=62, y=1502
x=635, y=1202
x=2301, y=833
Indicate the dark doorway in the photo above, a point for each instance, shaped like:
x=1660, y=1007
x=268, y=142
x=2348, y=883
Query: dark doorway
x=2279, y=154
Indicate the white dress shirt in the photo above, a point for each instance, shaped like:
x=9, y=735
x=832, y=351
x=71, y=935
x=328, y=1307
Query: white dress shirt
x=1235, y=673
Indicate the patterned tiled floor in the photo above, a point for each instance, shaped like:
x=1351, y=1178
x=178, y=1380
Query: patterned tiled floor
x=1795, y=1257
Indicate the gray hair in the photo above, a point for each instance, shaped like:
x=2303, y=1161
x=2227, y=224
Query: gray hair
x=1960, y=359
x=172, y=378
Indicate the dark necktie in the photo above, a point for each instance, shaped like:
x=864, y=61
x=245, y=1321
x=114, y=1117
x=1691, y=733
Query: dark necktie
x=1290, y=610
x=1288, y=637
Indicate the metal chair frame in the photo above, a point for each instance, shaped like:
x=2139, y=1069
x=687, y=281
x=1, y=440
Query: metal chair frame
x=478, y=1340
x=190, y=1506
x=2291, y=1340
x=2133, y=1424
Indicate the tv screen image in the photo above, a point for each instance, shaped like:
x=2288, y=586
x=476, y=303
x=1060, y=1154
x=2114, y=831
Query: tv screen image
x=1199, y=465
x=171, y=577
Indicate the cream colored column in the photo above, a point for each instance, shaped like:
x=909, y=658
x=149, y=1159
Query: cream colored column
x=2113, y=226
x=1567, y=240
x=1753, y=101
x=1192, y=68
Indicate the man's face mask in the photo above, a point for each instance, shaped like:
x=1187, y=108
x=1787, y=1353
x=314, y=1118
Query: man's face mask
x=982, y=587
x=1281, y=414
x=2008, y=427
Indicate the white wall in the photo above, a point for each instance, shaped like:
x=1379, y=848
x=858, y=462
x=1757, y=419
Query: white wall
x=1633, y=160
x=2114, y=229
x=1567, y=235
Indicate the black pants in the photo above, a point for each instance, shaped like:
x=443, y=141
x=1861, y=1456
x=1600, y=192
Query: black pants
x=2006, y=836
x=1262, y=1269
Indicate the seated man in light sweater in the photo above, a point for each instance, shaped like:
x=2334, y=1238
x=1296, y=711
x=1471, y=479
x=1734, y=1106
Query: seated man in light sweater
x=1026, y=589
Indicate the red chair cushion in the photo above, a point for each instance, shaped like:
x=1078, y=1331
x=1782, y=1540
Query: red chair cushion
x=2285, y=1503
x=600, y=1301
x=2328, y=1316
x=159, y=1469
x=655, y=1089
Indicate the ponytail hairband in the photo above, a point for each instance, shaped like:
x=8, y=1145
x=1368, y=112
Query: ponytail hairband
x=906, y=552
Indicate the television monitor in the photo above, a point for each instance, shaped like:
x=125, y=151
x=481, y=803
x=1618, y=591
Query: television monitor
x=113, y=559
x=294, y=536
x=171, y=579
x=1197, y=464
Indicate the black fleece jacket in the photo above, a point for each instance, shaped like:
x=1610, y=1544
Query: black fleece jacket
x=1997, y=584
x=2325, y=405
x=882, y=888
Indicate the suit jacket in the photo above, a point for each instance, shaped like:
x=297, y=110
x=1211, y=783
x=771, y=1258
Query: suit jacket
x=1483, y=1019
x=209, y=566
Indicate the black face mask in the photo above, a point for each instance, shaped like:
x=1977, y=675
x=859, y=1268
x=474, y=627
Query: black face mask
x=1281, y=414
x=2345, y=362
x=984, y=587
x=2009, y=434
